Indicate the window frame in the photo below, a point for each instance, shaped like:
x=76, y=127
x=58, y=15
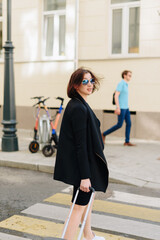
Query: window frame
x=125, y=29
x=56, y=14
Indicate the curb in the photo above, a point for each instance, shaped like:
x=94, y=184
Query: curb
x=113, y=178
x=27, y=166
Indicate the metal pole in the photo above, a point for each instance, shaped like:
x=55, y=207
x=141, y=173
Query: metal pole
x=9, y=20
x=9, y=139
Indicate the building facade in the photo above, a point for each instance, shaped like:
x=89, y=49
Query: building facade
x=54, y=37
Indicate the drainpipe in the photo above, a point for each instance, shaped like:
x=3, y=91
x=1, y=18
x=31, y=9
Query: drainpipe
x=76, y=34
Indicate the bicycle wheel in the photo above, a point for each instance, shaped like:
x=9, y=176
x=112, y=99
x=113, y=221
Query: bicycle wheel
x=34, y=147
x=48, y=150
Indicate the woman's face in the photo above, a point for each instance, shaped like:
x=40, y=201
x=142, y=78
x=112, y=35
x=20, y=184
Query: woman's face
x=87, y=85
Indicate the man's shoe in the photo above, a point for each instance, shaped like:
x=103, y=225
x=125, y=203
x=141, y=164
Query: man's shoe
x=129, y=144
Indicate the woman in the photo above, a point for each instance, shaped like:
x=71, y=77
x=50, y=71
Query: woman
x=80, y=160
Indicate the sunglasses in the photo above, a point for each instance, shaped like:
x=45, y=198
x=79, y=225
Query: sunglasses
x=86, y=81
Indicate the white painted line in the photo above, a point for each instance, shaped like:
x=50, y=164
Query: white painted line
x=68, y=189
x=4, y=236
x=135, y=199
x=116, y=224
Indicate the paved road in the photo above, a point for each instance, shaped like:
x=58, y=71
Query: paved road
x=34, y=207
x=21, y=188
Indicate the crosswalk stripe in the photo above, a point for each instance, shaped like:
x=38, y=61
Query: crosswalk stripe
x=125, y=219
x=5, y=236
x=112, y=208
x=44, y=228
x=32, y=226
x=135, y=199
x=129, y=198
x=116, y=224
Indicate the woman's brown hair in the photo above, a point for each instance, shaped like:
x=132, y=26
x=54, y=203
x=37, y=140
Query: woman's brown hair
x=76, y=80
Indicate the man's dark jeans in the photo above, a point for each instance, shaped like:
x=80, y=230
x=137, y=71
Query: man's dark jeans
x=125, y=115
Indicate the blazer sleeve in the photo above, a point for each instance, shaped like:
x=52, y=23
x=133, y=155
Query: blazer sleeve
x=79, y=125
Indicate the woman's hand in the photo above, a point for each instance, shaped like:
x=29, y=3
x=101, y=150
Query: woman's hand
x=85, y=184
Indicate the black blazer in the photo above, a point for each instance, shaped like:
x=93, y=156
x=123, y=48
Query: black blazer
x=80, y=148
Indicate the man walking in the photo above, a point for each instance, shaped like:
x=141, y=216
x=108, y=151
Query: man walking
x=122, y=108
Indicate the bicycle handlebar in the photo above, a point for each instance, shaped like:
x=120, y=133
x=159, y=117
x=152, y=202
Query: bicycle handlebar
x=37, y=97
x=41, y=101
x=61, y=99
x=45, y=100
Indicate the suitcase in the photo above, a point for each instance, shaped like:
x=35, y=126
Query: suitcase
x=85, y=217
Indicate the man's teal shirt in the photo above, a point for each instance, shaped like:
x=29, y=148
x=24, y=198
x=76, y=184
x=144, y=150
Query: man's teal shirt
x=122, y=87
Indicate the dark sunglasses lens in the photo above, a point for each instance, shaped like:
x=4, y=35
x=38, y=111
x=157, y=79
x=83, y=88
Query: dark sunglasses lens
x=92, y=81
x=85, y=82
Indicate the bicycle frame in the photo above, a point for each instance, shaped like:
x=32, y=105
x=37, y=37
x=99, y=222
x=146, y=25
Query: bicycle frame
x=37, y=115
x=34, y=145
x=49, y=116
x=53, y=126
x=54, y=135
x=37, y=121
x=49, y=149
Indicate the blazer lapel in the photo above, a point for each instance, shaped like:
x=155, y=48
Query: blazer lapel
x=98, y=145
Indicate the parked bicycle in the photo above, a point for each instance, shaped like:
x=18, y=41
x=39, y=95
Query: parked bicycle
x=34, y=145
x=49, y=148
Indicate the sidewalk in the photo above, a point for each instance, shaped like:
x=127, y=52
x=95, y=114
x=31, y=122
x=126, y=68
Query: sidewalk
x=138, y=165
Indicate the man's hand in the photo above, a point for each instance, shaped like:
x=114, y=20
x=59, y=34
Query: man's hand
x=85, y=184
x=117, y=111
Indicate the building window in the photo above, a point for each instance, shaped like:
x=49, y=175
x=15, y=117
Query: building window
x=133, y=38
x=54, y=27
x=117, y=31
x=125, y=19
x=1, y=27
